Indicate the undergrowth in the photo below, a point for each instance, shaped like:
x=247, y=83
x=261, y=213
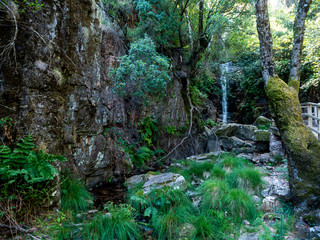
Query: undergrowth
x=27, y=180
x=74, y=196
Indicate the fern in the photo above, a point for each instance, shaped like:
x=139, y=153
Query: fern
x=27, y=173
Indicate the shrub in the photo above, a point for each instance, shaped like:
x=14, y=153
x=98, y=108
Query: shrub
x=143, y=72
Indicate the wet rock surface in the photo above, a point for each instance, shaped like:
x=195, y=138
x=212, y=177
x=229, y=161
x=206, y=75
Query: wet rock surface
x=241, y=138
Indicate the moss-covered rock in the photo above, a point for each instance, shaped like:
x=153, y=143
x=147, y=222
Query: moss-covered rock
x=262, y=135
x=262, y=121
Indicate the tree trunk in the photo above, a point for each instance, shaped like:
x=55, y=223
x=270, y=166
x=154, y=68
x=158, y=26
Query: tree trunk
x=301, y=145
x=298, y=36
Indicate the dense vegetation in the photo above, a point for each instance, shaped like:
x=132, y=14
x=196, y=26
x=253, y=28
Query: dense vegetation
x=214, y=206
x=167, y=41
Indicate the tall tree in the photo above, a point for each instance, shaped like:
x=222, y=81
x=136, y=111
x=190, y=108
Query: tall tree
x=301, y=145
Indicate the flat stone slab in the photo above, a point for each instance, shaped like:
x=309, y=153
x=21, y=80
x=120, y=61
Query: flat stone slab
x=173, y=180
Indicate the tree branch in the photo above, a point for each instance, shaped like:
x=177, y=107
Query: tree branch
x=5, y=54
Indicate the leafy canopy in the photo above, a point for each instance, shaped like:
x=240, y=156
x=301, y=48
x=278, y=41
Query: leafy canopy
x=143, y=72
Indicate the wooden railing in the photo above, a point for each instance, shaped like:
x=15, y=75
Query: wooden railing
x=311, y=117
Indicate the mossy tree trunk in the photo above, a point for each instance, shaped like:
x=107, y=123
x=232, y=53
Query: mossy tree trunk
x=301, y=145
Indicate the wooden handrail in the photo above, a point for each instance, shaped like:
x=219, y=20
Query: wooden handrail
x=312, y=117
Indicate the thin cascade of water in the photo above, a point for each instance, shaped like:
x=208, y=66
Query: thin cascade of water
x=225, y=69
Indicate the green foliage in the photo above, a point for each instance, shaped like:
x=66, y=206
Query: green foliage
x=142, y=156
x=198, y=98
x=210, y=123
x=74, y=195
x=5, y=121
x=160, y=19
x=264, y=127
x=166, y=224
x=118, y=224
x=141, y=73
x=24, y=165
x=148, y=128
x=26, y=176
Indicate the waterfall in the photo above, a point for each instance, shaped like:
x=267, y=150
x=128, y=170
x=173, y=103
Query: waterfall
x=225, y=69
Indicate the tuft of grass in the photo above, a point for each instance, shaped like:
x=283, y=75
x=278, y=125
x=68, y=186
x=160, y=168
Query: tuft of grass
x=239, y=205
x=218, y=172
x=210, y=224
x=166, y=224
x=213, y=194
x=197, y=169
x=118, y=224
x=245, y=178
x=167, y=198
x=229, y=161
x=74, y=195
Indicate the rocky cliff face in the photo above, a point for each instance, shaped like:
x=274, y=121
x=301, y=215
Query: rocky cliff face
x=58, y=88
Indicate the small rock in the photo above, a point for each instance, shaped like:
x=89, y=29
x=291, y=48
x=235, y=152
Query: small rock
x=246, y=222
x=206, y=175
x=269, y=204
x=196, y=201
x=256, y=198
x=186, y=231
x=92, y=211
x=249, y=236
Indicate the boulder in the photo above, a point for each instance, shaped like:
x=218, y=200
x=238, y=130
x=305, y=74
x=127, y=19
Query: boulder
x=135, y=180
x=242, y=131
x=275, y=187
x=173, y=180
x=228, y=143
x=261, y=135
x=204, y=157
x=262, y=121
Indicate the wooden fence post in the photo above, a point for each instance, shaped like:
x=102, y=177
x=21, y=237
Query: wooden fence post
x=309, y=113
x=318, y=116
